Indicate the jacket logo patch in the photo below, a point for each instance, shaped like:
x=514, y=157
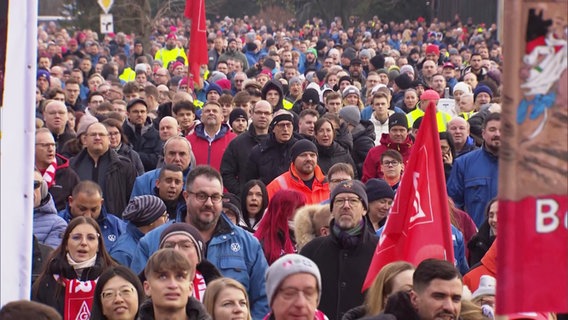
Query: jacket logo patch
x=111, y=237
x=235, y=247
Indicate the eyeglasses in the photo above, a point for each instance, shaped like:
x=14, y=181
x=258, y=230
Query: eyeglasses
x=353, y=202
x=260, y=113
x=202, y=197
x=124, y=292
x=97, y=134
x=293, y=293
x=285, y=125
x=37, y=184
x=390, y=163
x=46, y=145
x=112, y=134
x=90, y=237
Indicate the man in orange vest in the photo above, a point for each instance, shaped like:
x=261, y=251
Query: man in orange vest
x=304, y=174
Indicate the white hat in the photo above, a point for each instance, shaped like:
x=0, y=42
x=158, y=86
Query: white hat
x=463, y=87
x=486, y=287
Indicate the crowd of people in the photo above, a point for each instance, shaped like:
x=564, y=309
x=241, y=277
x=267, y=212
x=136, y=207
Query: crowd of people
x=258, y=189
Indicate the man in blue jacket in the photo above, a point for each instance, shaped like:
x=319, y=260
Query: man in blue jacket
x=234, y=251
x=473, y=180
x=87, y=200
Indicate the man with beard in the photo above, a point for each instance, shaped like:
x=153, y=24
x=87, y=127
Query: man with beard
x=236, y=156
x=344, y=255
x=222, y=239
x=234, y=54
x=312, y=62
x=304, y=174
x=437, y=289
x=171, y=51
x=476, y=67
x=473, y=180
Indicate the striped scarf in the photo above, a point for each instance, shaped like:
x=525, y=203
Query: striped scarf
x=49, y=174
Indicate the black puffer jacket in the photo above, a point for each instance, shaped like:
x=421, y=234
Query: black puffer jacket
x=146, y=141
x=328, y=156
x=480, y=243
x=363, y=140
x=276, y=85
x=269, y=159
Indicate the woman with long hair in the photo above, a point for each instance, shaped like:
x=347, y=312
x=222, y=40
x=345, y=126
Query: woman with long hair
x=118, y=295
x=254, y=200
x=227, y=299
x=68, y=279
x=119, y=142
x=393, y=277
x=274, y=232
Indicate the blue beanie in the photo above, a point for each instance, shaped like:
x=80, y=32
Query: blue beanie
x=213, y=86
x=482, y=88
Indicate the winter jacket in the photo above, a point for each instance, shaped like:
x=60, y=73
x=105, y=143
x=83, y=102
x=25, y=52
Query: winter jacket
x=269, y=159
x=40, y=256
x=363, y=141
x=116, y=177
x=459, y=249
x=231, y=249
x=52, y=292
x=123, y=249
x=48, y=227
x=380, y=128
x=442, y=118
x=487, y=266
x=343, y=270
x=61, y=139
x=111, y=226
x=328, y=156
x=146, y=141
x=276, y=85
x=372, y=165
x=236, y=157
x=126, y=150
x=65, y=180
x=473, y=182
x=194, y=310
x=210, y=152
x=290, y=181
x=480, y=243
x=235, y=55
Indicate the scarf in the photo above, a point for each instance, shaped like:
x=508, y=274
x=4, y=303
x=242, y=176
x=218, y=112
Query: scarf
x=49, y=174
x=348, y=239
x=199, y=286
x=79, y=266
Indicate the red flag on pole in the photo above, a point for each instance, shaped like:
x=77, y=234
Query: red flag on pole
x=418, y=226
x=197, y=56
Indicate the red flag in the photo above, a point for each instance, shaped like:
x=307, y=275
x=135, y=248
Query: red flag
x=418, y=226
x=197, y=56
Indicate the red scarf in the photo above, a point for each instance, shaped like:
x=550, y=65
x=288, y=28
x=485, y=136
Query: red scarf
x=199, y=286
x=49, y=174
x=78, y=298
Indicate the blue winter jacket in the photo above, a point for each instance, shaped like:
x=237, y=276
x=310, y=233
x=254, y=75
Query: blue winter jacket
x=459, y=249
x=237, y=255
x=124, y=248
x=368, y=111
x=111, y=226
x=48, y=227
x=473, y=182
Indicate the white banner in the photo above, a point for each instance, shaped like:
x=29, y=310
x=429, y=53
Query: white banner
x=17, y=125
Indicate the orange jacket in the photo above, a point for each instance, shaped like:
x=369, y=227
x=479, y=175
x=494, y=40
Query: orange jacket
x=488, y=266
x=290, y=180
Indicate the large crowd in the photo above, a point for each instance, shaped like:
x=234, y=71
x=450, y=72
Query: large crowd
x=257, y=189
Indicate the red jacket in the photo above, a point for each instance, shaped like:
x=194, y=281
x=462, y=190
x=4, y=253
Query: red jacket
x=290, y=180
x=488, y=266
x=210, y=153
x=372, y=164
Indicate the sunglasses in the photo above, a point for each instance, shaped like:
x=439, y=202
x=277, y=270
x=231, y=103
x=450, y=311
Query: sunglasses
x=37, y=184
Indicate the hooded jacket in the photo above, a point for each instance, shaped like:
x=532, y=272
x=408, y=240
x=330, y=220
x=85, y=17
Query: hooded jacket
x=275, y=85
x=207, y=152
x=48, y=227
x=328, y=156
x=290, y=180
x=487, y=266
x=372, y=164
x=363, y=141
